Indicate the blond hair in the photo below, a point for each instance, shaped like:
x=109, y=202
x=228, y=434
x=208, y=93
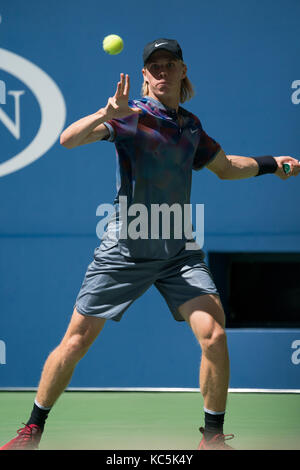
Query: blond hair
x=186, y=89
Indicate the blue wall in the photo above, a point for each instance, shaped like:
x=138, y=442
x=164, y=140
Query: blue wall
x=243, y=59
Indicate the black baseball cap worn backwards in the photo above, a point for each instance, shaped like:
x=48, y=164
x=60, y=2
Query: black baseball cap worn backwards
x=170, y=45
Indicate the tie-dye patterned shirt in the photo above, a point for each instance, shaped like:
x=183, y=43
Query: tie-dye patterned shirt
x=156, y=154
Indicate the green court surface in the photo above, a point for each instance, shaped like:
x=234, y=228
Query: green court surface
x=154, y=420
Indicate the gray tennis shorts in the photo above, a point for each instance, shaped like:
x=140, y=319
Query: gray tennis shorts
x=113, y=282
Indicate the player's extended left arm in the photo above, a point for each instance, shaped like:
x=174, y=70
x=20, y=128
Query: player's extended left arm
x=234, y=167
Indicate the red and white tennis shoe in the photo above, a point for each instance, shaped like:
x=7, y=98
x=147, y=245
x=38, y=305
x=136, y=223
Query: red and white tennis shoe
x=215, y=443
x=28, y=438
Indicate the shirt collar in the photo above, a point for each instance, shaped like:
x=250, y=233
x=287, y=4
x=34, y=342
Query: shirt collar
x=169, y=113
x=159, y=105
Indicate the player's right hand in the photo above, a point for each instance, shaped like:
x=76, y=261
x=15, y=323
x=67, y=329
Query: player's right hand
x=294, y=167
x=117, y=106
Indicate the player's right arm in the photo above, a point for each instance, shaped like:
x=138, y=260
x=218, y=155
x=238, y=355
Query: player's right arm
x=92, y=128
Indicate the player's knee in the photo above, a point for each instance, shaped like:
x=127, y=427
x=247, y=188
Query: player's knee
x=75, y=347
x=214, y=342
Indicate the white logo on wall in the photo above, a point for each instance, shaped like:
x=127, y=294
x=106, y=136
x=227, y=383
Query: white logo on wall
x=296, y=95
x=296, y=354
x=2, y=352
x=50, y=100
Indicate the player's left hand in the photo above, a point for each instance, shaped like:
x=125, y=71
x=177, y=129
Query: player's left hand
x=294, y=165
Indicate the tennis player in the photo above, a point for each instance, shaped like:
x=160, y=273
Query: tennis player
x=158, y=145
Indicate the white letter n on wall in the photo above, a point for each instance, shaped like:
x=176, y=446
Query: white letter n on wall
x=13, y=126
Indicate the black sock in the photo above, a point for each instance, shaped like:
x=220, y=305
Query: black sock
x=38, y=416
x=213, y=424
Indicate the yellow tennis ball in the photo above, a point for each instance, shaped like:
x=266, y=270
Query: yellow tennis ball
x=113, y=44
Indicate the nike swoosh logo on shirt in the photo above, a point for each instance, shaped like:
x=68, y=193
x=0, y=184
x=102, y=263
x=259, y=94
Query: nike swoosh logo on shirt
x=194, y=130
x=160, y=44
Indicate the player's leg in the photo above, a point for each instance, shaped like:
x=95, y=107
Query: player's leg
x=206, y=317
x=59, y=367
x=56, y=375
x=191, y=294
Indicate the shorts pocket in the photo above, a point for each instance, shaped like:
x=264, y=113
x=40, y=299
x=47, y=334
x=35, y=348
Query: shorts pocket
x=104, y=247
